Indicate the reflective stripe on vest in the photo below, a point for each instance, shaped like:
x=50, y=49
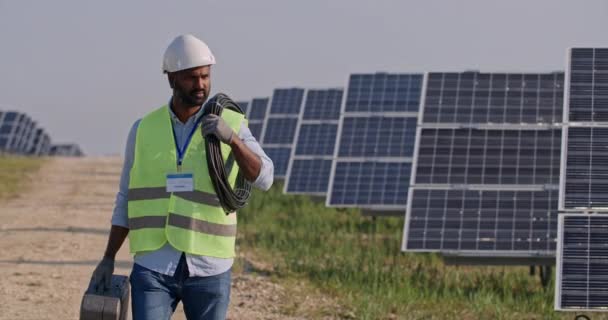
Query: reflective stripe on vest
x=161, y=193
x=183, y=222
x=194, y=221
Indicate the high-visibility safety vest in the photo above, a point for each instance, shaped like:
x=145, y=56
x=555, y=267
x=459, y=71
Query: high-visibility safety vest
x=193, y=221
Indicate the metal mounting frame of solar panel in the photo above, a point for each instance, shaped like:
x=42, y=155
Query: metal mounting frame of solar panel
x=581, y=262
x=282, y=149
x=403, y=164
x=321, y=120
x=543, y=255
x=593, y=121
x=256, y=121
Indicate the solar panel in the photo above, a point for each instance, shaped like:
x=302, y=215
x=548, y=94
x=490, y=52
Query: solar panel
x=310, y=167
x=372, y=160
x=582, y=262
x=309, y=176
x=280, y=126
x=256, y=129
x=37, y=142
x=42, y=143
x=316, y=139
x=382, y=92
x=6, y=127
x=473, y=97
x=486, y=165
x=377, y=136
x=323, y=104
x=15, y=133
x=280, y=130
x=586, y=176
x=584, y=184
x=488, y=156
x=256, y=115
x=9, y=131
x=370, y=185
x=280, y=159
x=491, y=220
x=10, y=116
x=587, y=85
x=26, y=135
x=287, y=101
x=258, y=109
x=68, y=150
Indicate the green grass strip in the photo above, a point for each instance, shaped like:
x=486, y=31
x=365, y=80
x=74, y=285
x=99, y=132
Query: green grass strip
x=14, y=173
x=360, y=263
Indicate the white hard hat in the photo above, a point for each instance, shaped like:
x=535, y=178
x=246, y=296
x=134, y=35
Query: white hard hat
x=185, y=52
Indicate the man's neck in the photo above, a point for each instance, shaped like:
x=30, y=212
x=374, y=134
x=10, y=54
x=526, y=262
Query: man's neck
x=184, y=113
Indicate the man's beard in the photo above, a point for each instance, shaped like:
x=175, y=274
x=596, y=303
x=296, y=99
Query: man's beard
x=190, y=99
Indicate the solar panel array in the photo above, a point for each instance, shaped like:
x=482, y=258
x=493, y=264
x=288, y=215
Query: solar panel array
x=477, y=168
x=66, y=150
x=372, y=159
x=486, y=165
x=311, y=157
x=19, y=134
x=585, y=166
x=280, y=127
x=582, y=262
x=582, y=255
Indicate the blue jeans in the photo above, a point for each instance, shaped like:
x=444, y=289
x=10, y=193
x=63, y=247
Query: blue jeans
x=155, y=295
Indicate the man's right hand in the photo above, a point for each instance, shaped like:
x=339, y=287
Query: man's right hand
x=102, y=276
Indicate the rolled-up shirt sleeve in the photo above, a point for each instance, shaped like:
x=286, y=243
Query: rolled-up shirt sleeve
x=266, y=176
x=120, y=216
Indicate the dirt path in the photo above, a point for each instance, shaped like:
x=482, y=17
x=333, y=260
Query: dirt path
x=52, y=236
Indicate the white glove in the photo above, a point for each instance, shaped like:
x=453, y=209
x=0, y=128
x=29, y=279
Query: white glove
x=215, y=125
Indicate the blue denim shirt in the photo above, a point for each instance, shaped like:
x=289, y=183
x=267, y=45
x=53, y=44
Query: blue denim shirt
x=165, y=259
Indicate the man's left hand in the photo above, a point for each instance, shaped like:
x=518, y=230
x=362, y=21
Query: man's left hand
x=215, y=125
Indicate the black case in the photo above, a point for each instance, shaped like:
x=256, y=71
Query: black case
x=112, y=305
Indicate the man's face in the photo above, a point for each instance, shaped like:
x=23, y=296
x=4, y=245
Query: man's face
x=191, y=86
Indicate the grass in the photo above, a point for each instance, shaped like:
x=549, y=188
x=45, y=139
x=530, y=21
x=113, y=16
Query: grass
x=13, y=174
x=338, y=252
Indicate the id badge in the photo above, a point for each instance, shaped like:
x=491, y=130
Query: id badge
x=180, y=182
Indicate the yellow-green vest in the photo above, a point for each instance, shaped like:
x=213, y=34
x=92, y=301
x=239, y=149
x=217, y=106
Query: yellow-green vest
x=193, y=222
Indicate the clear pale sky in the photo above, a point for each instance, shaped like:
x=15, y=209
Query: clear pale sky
x=86, y=70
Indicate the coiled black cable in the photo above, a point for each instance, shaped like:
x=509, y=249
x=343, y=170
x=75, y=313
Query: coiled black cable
x=230, y=199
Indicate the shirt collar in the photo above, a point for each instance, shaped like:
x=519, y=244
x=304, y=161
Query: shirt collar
x=175, y=119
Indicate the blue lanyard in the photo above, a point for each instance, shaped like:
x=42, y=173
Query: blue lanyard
x=182, y=151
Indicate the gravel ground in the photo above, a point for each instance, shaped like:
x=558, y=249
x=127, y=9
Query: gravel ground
x=52, y=236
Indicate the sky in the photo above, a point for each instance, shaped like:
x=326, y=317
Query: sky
x=86, y=70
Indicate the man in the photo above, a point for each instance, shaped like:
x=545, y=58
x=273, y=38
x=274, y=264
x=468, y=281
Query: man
x=182, y=240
